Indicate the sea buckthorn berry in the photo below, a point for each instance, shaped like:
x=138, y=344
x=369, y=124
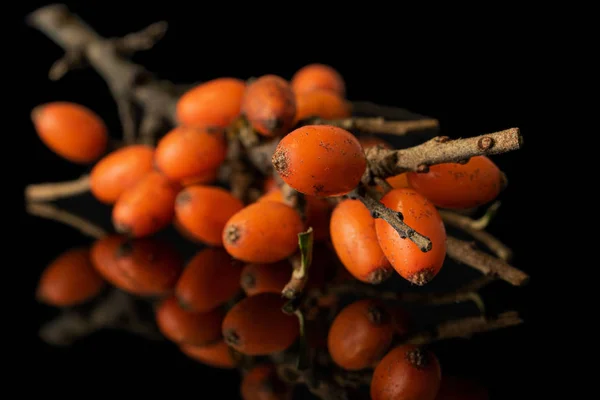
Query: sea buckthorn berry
x=188, y=327
x=152, y=266
x=103, y=255
x=71, y=130
x=355, y=241
x=69, y=279
x=215, y=355
x=360, y=334
x=119, y=171
x=214, y=103
x=257, y=326
x=318, y=76
x=457, y=186
x=187, y=152
x=263, y=383
x=203, y=212
x=265, y=278
x=421, y=215
x=320, y=160
x=269, y=105
x=210, y=279
x=147, y=207
x=322, y=104
x=371, y=141
x=407, y=372
x=263, y=232
x=458, y=388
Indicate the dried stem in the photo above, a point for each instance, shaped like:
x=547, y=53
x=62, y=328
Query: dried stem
x=475, y=229
x=466, y=253
x=58, y=190
x=379, y=125
x=116, y=310
x=395, y=219
x=54, y=213
x=385, y=163
x=126, y=80
x=465, y=328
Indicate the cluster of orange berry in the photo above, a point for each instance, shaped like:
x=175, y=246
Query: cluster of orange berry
x=151, y=187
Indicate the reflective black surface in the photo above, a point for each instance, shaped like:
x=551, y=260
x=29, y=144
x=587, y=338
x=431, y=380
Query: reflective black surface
x=461, y=85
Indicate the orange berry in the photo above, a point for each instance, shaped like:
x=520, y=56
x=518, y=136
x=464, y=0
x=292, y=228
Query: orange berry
x=322, y=104
x=186, y=152
x=320, y=160
x=421, y=215
x=265, y=278
x=70, y=279
x=210, y=279
x=188, y=327
x=119, y=171
x=203, y=211
x=147, y=207
x=263, y=232
x=270, y=105
x=318, y=76
x=143, y=266
x=71, y=130
x=360, y=334
x=257, y=326
x=371, y=141
x=406, y=373
x=215, y=355
x=355, y=241
x=454, y=185
x=263, y=383
x=455, y=388
x=214, y=103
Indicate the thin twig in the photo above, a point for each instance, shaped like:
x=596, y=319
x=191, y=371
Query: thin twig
x=54, y=213
x=58, y=190
x=395, y=219
x=385, y=163
x=466, y=253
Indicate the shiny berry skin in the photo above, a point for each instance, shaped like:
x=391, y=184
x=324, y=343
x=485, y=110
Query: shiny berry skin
x=459, y=186
x=71, y=130
x=420, y=214
x=355, y=241
x=318, y=76
x=320, y=160
x=215, y=103
x=119, y=171
x=269, y=105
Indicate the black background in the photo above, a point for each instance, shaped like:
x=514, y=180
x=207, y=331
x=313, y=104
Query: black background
x=475, y=77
